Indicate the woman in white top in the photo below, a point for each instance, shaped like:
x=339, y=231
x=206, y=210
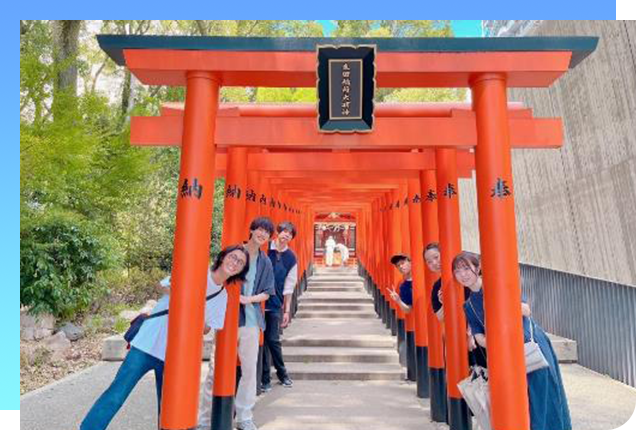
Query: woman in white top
x=148, y=348
x=330, y=245
x=344, y=253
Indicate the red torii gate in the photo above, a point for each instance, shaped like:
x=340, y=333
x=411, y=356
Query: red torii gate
x=487, y=66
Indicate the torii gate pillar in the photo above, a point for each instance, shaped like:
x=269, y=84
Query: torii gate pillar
x=191, y=255
x=499, y=259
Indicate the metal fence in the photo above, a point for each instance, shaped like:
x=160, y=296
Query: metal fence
x=599, y=315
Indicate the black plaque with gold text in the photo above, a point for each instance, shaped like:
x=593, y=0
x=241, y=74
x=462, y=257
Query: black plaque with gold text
x=346, y=87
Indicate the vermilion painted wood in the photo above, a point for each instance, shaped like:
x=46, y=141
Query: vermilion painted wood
x=233, y=233
x=389, y=133
x=450, y=246
x=430, y=234
x=298, y=69
x=191, y=256
x=500, y=262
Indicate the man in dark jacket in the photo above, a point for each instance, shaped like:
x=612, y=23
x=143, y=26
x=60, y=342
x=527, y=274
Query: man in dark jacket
x=278, y=306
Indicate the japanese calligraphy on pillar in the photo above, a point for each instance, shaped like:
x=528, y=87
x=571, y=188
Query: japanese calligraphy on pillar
x=450, y=191
x=191, y=189
x=250, y=196
x=233, y=191
x=346, y=87
x=500, y=190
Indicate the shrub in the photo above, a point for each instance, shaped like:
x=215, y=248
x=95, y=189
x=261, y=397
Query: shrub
x=60, y=256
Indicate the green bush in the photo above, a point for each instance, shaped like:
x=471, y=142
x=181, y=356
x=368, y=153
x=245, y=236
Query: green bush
x=60, y=256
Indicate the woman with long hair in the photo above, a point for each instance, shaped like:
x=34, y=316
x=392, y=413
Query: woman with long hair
x=148, y=347
x=548, y=403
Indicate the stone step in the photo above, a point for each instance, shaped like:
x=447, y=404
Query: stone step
x=345, y=371
x=364, y=341
x=352, y=295
x=340, y=307
x=336, y=328
x=335, y=284
x=333, y=299
x=329, y=284
x=336, y=272
x=564, y=348
x=327, y=278
x=328, y=314
x=340, y=355
x=323, y=282
x=114, y=348
x=340, y=270
x=338, y=289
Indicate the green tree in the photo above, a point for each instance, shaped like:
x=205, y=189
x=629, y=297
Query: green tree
x=393, y=28
x=403, y=28
x=75, y=162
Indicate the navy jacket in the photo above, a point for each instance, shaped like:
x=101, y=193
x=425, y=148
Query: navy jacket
x=263, y=283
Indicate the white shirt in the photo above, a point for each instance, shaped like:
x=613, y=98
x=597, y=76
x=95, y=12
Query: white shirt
x=152, y=337
x=251, y=316
x=344, y=251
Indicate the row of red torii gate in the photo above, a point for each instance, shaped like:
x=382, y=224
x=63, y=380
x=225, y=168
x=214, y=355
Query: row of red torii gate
x=398, y=179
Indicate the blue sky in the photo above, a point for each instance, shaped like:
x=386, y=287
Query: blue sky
x=462, y=28
x=467, y=28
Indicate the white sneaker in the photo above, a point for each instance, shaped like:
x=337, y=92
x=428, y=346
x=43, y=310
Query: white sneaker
x=246, y=425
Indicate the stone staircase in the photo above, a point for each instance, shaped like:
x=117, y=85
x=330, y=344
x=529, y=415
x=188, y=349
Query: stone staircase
x=336, y=334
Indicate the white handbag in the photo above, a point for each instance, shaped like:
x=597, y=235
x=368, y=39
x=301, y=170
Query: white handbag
x=535, y=359
x=476, y=394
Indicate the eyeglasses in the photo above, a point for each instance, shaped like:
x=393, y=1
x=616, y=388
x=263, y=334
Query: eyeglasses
x=236, y=260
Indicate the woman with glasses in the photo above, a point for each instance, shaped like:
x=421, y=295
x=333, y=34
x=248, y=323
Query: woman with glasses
x=148, y=348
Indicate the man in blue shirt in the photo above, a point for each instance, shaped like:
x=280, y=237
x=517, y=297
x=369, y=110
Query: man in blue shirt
x=405, y=297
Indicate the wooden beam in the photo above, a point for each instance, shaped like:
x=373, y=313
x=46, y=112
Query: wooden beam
x=389, y=133
x=394, y=69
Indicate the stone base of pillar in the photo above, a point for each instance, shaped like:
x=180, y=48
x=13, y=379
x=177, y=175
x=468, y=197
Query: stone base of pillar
x=459, y=415
x=439, y=400
x=422, y=372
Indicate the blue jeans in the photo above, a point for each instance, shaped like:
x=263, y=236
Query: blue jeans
x=136, y=364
